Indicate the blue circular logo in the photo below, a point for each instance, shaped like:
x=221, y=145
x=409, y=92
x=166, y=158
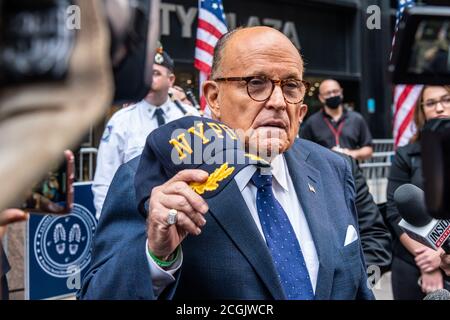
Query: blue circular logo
x=62, y=243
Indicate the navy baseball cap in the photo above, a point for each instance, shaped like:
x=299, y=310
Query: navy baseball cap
x=192, y=143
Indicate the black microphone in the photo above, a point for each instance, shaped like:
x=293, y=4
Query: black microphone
x=440, y=294
x=417, y=223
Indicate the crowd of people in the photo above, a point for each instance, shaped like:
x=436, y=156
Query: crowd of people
x=305, y=227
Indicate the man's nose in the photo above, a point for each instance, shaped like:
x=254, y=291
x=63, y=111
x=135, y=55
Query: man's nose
x=276, y=99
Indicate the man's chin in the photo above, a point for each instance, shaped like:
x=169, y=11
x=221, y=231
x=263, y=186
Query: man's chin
x=267, y=148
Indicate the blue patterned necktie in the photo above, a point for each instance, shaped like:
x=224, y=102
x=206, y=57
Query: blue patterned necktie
x=282, y=242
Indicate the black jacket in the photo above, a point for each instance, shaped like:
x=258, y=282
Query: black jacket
x=406, y=168
x=375, y=236
x=4, y=268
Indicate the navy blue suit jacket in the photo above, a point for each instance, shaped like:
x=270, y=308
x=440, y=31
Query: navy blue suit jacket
x=230, y=259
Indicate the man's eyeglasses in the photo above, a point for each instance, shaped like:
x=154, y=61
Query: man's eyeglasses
x=444, y=101
x=261, y=88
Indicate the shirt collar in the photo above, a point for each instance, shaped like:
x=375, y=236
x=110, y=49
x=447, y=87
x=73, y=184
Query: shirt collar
x=343, y=116
x=166, y=106
x=279, y=172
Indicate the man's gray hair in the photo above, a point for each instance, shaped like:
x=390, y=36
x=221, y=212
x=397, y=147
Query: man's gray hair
x=218, y=52
x=219, y=49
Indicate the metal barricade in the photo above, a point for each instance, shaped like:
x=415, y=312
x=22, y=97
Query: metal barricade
x=86, y=173
x=376, y=169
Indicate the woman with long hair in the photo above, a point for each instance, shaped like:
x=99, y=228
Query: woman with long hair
x=415, y=267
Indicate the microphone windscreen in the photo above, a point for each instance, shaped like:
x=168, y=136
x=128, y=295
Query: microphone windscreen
x=410, y=202
x=440, y=294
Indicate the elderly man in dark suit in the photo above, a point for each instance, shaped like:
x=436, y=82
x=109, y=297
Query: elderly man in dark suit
x=289, y=232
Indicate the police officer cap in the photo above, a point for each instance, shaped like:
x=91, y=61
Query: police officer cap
x=163, y=59
x=192, y=143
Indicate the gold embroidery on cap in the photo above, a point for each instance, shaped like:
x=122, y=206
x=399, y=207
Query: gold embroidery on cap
x=216, y=129
x=229, y=131
x=212, y=183
x=200, y=133
x=181, y=146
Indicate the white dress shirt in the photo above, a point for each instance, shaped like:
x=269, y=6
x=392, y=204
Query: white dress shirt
x=284, y=192
x=124, y=138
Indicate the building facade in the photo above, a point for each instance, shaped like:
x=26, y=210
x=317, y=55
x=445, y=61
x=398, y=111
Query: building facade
x=348, y=40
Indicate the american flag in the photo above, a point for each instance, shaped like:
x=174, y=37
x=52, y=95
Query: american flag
x=211, y=26
x=405, y=96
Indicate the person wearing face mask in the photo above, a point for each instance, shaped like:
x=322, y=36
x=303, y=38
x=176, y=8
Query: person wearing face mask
x=415, y=267
x=336, y=128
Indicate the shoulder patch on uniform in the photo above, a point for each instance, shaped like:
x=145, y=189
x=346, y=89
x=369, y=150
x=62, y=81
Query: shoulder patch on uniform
x=107, y=133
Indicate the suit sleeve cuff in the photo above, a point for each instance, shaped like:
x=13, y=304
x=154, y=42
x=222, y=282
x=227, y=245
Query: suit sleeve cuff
x=162, y=278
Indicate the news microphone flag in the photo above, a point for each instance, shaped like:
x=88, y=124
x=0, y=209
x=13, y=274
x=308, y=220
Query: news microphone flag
x=405, y=96
x=211, y=26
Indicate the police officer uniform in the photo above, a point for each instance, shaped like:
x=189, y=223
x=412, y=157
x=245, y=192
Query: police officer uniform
x=125, y=134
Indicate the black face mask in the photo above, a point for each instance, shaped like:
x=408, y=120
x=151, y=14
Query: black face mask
x=333, y=102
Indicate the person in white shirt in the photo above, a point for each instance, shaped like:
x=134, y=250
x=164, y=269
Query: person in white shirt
x=126, y=131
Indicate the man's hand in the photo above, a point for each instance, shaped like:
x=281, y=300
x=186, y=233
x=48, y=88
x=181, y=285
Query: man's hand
x=10, y=216
x=339, y=149
x=445, y=263
x=346, y=151
x=432, y=281
x=176, y=194
x=358, y=154
x=428, y=259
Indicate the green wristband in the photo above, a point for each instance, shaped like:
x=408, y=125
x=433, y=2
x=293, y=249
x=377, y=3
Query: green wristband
x=165, y=264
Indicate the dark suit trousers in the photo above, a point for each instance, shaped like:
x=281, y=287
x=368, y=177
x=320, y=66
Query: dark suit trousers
x=404, y=281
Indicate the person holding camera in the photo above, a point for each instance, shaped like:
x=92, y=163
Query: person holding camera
x=415, y=267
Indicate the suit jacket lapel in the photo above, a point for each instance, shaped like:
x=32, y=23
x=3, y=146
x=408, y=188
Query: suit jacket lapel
x=308, y=185
x=236, y=220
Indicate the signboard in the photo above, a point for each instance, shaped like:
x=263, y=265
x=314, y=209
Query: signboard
x=304, y=22
x=58, y=248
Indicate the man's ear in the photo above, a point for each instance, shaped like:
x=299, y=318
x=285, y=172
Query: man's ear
x=303, y=112
x=211, y=94
x=322, y=100
x=172, y=79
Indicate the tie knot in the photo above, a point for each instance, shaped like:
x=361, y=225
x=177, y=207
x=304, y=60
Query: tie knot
x=159, y=112
x=262, y=180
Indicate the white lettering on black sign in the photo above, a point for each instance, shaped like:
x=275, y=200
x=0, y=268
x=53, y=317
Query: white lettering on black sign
x=186, y=18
